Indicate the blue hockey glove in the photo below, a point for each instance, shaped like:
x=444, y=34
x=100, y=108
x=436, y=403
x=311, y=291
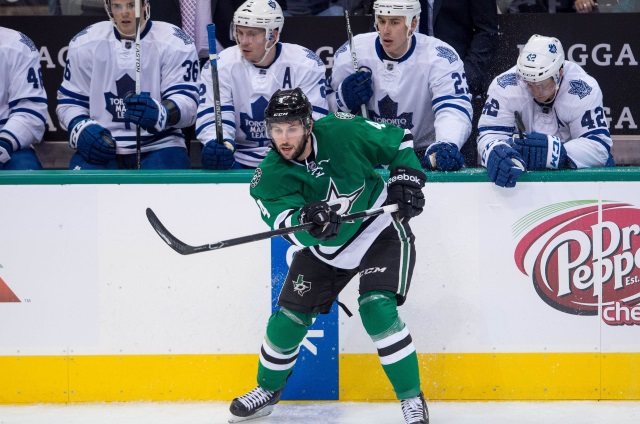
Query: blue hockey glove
x=356, y=88
x=541, y=151
x=218, y=156
x=404, y=188
x=146, y=112
x=504, y=165
x=442, y=156
x=94, y=142
x=326, y=221
x=6, y=150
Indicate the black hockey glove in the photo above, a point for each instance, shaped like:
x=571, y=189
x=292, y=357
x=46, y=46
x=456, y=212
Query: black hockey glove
x=404, y=188
x=326, y=221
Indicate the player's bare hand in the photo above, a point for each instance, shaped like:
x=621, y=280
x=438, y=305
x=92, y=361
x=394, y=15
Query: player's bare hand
x=585, y=6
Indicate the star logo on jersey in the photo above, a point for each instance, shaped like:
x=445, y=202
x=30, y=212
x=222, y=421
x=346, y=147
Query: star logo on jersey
x=341, y=203
x=447, y=53
x=113, y=102
x=389, y=114
x=507, y=79
x=300, y=286
x=253, y=126
x=580, y=88
x=27, y=42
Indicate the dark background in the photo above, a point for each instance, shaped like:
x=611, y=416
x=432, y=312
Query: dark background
x=592, y=40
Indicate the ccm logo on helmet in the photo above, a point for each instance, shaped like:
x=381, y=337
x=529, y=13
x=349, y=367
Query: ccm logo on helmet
x=280, y=114
x=405, y=177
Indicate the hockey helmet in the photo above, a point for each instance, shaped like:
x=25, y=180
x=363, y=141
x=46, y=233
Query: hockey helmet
x=265, y=14
x=288, y=105
x=408, y=8
x=541, y=58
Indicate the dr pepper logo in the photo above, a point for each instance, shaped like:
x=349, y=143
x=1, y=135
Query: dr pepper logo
x=581, y=253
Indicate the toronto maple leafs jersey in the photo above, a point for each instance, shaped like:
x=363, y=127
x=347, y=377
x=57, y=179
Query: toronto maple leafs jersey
x=341, y=171
x=576, y=116
x=100, y=71
x=245, y=90
x=23, y=101
x=424, y=91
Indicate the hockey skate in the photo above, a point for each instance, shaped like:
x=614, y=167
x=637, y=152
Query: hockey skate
x=255, y=404
x=415, y=410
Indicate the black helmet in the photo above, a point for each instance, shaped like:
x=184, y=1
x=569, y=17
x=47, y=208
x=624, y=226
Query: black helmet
x=288, y=105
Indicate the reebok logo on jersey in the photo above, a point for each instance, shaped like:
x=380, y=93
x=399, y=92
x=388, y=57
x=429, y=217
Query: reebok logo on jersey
x=300, y=286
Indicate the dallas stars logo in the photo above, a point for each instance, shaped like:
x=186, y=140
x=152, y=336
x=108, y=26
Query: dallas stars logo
x=341, y=203
x=113, y=102
x=253, y=126
x=300, y=286
x=389, y=114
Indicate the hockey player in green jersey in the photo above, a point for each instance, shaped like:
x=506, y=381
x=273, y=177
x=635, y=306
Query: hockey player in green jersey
x=316, y=172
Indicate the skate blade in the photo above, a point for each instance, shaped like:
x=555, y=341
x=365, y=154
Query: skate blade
x=267, y=410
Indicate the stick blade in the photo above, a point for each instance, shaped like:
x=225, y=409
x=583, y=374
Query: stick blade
x=170, y=239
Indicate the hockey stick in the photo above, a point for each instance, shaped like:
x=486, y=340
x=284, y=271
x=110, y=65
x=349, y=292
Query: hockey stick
x=213, y=58
x=354, y=58
x=185, y=249
x=138, y=142
x=519, y=123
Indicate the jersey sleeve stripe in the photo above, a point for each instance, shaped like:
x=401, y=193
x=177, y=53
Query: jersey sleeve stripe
x=600, y=141
x=73, y=95
x=443, y=98
x=179, y=87
x=205, y=112
x=453, y=106
x=12, y=136
x=32, y=112
x=320, y=110
x=602, y=131
x=28, y=99
x=202, y=127
x=73, y=102
x=506, y=130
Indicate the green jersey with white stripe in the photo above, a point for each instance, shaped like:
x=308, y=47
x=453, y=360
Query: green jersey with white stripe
x=341, y=170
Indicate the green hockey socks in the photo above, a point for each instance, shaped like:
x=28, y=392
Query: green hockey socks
x=379, y=314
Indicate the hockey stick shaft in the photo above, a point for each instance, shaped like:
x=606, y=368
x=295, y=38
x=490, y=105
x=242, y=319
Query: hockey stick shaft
x=519, y=124
x=215, y=85
x=138, y=65
x=354, y=57
x=185, y=249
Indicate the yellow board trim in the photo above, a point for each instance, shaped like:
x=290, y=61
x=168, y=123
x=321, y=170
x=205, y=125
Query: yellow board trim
x=452, y=376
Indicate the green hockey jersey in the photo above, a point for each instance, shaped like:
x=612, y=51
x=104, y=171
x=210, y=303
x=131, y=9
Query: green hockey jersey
x=341, y=170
